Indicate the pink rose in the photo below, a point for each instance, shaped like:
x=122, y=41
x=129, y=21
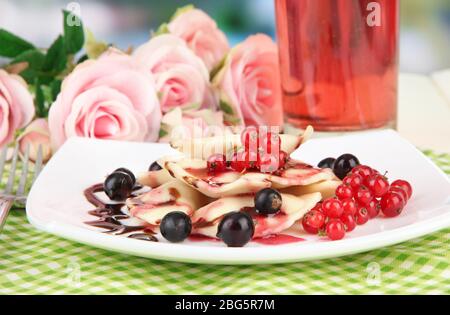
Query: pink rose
x=249, y=84
x=177, y=124
x=201, y=34
x=36, y=134
x=112, y=97
x=182, y=79
x=16, y=106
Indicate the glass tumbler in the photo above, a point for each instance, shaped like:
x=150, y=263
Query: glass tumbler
x=339, y=63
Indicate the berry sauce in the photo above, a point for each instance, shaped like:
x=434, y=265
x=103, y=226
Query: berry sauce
x=202, y=238
x=278, y=239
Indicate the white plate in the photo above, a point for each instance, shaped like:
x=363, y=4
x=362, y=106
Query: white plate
x=56, y=203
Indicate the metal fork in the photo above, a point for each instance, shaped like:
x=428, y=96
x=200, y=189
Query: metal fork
x=10, y=195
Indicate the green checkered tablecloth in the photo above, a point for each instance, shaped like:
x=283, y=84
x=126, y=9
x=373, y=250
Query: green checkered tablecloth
x=33, y=262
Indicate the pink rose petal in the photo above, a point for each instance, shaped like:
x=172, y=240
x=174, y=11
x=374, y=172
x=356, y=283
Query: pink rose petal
x=113, y=97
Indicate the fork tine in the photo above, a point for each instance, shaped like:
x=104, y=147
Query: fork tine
x=12, y=172
x=38, y=164
x=3, y=161
x=24, y=176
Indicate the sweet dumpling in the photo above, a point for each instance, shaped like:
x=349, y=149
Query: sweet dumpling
x=202, y=148
x=206, y=220
x=152, y=206
x=228, y=183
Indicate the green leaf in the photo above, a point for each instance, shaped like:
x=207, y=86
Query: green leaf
x=55, y=88
x=226, y=108
x=230, y=116
x=217, y=68
x=162, y=29
x=34, y=59
x=56, y=58
x=162, y=133
x=40, y=100
x=12, y=45
x=182, y=10
x=73, y=32
x=82, y=59
x=192, y=106
x=47, y=95
x=94, y=48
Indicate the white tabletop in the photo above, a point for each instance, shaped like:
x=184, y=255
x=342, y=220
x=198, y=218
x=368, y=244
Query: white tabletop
x=424, y=110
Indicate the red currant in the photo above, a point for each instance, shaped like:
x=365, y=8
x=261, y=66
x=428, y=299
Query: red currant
x=373, y=208
x=344, y=192
x=335, y=230
x=363, y=195
x=399, y=190
x=250, y=159
x=349, y=206
x=283, y=159
x=317, y=207
x=405, y=185
x=362, y=216
x=377, y=184
x=216, y=163
x=309, y=229
x=269, y=163
x=249, y=138
x=349, y=222
x=353, y=180
x=332, y=208
x=314, y=219
x=362, y=170
x=238, y=162
x=274, y=141
x=269, y=142
x=391, y=204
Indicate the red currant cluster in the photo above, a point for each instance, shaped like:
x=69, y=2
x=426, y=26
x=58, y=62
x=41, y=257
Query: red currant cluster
x=362, y=195
x=261, y=152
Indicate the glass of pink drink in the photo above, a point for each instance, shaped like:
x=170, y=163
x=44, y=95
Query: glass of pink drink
x=339, y=62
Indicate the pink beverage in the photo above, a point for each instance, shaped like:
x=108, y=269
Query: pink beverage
x=339, y=62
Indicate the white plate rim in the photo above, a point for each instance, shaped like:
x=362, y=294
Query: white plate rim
x=253, y=255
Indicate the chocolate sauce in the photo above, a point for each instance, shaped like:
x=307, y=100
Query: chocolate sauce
x=109, y=216
x=143, y=237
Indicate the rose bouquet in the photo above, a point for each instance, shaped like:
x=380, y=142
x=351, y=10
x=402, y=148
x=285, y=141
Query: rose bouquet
x=186, y=75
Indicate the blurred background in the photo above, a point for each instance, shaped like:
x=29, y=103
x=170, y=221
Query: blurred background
x=425, y=24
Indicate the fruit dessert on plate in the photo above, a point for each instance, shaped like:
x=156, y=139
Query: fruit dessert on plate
x=244, y=188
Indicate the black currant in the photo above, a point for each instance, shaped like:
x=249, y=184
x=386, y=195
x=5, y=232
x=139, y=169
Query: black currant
x=344, y=165
x=268, y=201
x=118, y=186
x=326, y=163
x=155, y=167
x=176, y=226
x=236, y=229
x=127, y=171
